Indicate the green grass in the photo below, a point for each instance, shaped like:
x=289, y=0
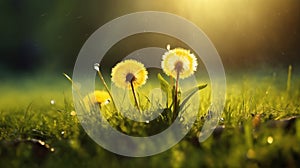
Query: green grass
x=259, y=109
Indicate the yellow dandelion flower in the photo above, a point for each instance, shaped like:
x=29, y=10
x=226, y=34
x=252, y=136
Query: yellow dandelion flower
x=98, y=97
x=129, y=72
x=180, y=61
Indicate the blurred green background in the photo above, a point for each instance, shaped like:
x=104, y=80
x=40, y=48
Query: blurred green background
x=46, y=36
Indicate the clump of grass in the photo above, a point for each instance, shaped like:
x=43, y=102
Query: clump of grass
x=289, y=78
x=227, y=147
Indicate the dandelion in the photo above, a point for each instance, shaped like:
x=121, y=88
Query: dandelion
x=178, y=63
x=129, y=74
x=102, y=97
x=98, y=97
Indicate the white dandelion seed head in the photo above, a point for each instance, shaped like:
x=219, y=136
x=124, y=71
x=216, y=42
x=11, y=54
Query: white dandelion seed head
x=178, y=56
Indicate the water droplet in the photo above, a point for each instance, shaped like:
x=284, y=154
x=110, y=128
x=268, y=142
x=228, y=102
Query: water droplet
x=62, y=132
x=96, y=66
x=187, y=127
x=106, y=102
x=168, y=47
x=42, y=142
x=52, y=102
x=270, y=140
x=147, y=121
x=52, y=149
x=73, y=113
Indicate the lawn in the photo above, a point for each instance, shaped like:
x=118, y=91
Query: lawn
x=259, y=127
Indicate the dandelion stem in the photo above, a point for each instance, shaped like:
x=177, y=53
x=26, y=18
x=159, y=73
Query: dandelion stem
x=76, y=88
x=107, y=89
x=73, y=85
x=134, y=95
x=176, y=97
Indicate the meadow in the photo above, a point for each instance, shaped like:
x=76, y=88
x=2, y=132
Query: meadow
x=259, y=126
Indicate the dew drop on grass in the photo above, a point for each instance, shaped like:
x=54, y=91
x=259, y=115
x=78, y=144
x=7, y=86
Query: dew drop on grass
x=52, y=102
x=147, y=121
x=187, y=127
x=41, y=142
x=106, y=102
x=62, y=132
x=270, y=140
x=73, y=113
x=168, y=47
x=47, y=146
x=52, y=149
x=96, y=66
